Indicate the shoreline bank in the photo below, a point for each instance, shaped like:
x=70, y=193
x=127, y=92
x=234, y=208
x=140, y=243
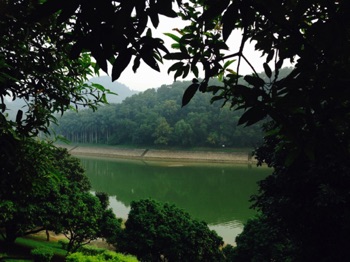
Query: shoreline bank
x=160, y=154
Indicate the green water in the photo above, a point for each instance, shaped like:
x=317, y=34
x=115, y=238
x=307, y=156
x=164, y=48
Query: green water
x=216, y=193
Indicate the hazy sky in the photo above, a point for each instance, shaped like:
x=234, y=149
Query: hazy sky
x=146, y=77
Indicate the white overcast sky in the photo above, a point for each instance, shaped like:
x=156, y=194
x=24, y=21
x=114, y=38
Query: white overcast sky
x=146, y=77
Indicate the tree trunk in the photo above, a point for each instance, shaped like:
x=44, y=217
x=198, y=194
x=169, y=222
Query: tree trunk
x=47, y=235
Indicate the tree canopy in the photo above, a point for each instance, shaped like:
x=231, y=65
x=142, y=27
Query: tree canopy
x=48, y=190
x=155, y=118
x=163, y=232
x=36, y=68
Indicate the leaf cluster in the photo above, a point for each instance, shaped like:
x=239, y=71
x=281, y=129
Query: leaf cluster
x=113, y=31
x=36, y=68
x=284, y=30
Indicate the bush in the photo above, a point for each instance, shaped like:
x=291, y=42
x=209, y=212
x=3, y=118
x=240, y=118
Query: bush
x=63, y=243
x=261, y=242
x=42, y=254
x=157, y=231
x=91, y=250
x=105, y=256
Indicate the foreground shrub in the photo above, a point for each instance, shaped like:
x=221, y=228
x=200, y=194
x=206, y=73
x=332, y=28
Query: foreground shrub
x=42, y=254
x=91, y=250
x=261, y=242
x=63, y=243
x=155, y=232
x=105, y=256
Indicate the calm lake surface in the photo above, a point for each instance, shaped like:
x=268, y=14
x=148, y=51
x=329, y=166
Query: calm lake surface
x=215, y=193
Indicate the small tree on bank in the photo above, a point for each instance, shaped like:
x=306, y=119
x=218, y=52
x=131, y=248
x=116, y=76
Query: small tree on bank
x=163, y=232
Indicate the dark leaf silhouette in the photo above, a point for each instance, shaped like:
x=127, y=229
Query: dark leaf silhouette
x=189, y=93
x=121, y=63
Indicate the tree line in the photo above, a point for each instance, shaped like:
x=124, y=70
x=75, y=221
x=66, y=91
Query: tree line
x=155, y=118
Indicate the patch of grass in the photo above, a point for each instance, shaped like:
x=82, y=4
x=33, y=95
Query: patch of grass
x=36, y=243
x=21, y=250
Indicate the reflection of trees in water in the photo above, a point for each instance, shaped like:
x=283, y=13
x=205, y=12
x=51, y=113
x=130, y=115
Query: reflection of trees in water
x=211, y=193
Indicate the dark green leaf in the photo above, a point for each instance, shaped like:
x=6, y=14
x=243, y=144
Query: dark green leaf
x=147, y=57
x=19, y=116
x=215, y=98
x=172, y=36
x=154, y=43
x=98, y=86
x=136, y=64
x=178, y=73
x=279, y=64
x=98, y=54
x=175, y=67
x=203, y=86
x=176, y=56
x=214, y=89
x=254, y=81
x=186, y=70
x=270, y=55
x=154, y=17
x=252, y=116
x=229, y=20
x=104, y=99
x=164, y=7
x=220, y=45
x=194, y=70
x=189, y=93
x=121, y=63
x=228, y=63
x=267, y=70
x=149, y=33
x=175, y=46
x=76, y=49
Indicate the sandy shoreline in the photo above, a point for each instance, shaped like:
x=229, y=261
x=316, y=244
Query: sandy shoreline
x=156, y=154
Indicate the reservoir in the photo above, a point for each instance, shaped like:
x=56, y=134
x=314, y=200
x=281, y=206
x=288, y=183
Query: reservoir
x=217, y=193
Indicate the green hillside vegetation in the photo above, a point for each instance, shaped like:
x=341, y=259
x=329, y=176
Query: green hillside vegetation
x=155, y=118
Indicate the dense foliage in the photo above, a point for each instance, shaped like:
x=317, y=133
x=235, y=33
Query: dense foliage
x=26, y=187
x=307, y=143
x=163, y=232
x=48, y=190
x=155, y=117
x=36, y=68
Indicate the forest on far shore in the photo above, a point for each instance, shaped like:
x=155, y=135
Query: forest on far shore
x=155, y=118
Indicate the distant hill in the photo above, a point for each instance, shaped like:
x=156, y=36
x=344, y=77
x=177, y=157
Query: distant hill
x=122, y=90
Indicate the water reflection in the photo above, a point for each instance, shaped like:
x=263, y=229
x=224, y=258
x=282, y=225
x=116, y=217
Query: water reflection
x=215, y=193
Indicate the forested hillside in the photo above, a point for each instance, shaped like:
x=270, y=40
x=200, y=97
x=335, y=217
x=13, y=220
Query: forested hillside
x=155, y=117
